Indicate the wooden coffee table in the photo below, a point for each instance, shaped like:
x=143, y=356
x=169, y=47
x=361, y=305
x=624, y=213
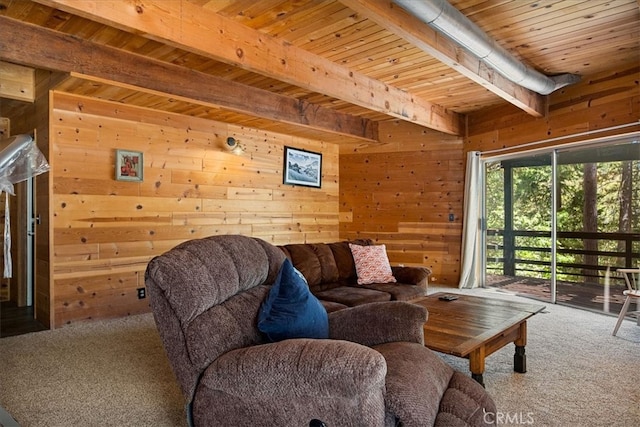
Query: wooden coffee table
x=475, y=327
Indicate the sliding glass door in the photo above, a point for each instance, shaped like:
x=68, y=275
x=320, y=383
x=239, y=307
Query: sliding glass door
x=560, y=222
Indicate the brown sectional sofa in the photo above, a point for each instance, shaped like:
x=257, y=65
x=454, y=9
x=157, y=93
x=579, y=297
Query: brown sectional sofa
x=372, y=371
x=331, y=274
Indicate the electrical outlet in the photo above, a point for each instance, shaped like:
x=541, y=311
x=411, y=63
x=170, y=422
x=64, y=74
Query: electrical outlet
x=142, y=293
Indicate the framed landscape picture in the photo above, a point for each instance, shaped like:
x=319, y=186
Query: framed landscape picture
x=129, y=165
x=302, y=167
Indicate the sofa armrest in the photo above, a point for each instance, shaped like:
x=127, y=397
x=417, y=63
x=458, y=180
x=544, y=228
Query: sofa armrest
x=412, y=275
x=379, y=323
x=297, y=367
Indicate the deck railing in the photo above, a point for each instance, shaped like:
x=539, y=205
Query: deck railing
x=528, y=253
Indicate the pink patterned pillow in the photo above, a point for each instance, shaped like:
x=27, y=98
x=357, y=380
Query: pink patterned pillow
x=372, y=264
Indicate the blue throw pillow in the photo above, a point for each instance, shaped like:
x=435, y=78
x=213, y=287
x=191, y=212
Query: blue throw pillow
x=291, y=310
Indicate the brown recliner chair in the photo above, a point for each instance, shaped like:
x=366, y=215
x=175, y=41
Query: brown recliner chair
x=373, y=370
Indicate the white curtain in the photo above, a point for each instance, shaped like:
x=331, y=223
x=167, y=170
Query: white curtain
x=471, y=262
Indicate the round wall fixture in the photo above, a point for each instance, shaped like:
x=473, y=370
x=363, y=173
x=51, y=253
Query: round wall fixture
x=234, y=146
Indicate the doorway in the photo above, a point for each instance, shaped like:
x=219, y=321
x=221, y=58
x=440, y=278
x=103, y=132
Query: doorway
x=17, y=305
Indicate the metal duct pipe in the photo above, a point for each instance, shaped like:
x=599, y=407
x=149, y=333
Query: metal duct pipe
x=445, y=18
x=10, y=148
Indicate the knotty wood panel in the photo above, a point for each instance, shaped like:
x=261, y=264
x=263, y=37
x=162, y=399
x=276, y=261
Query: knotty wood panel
x=5, y=127
x=105, y=231
x=599, y=102
x=17, y=82
x=400, y=193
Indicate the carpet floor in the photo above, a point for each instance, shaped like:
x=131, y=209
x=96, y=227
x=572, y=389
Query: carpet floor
x=104, y=373
x=115, y=373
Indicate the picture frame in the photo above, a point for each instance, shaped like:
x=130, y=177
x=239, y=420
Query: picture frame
x=302, y=167
x=129, y=166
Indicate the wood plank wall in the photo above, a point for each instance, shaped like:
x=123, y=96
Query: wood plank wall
x=401, y=192
x=599, y=102
x=105, y=231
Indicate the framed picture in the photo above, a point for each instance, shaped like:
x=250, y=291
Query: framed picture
x=129, y=166
x=302, y=167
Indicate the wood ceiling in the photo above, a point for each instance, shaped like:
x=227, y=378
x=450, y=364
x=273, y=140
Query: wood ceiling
x=352, y=58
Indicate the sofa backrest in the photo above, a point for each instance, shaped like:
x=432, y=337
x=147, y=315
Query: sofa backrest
x=205, y=296
x=324, y=265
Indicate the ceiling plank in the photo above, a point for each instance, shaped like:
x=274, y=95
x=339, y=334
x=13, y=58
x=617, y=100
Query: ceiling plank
x=38, y=47
x=185, y=25
x=395, y=19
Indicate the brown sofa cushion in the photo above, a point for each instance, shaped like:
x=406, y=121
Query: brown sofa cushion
x=291, y=382
x=344, y=258
x=315, y=261
x=351, y=295
x=305, y=261
x=241, y=265
x=415, y=275
x=399, y=292
x=331, y=306
x=234, y=322
x=344, y=261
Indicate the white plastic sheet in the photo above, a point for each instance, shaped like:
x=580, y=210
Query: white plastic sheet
x=20, y=159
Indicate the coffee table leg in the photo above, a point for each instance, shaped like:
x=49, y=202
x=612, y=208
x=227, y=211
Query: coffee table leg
x=479, y=378
x=520, y=358
x=476, y=364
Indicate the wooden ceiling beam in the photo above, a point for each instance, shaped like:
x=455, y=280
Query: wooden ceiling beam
x=183, y=24
x=395, y=19
x=38, y=47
